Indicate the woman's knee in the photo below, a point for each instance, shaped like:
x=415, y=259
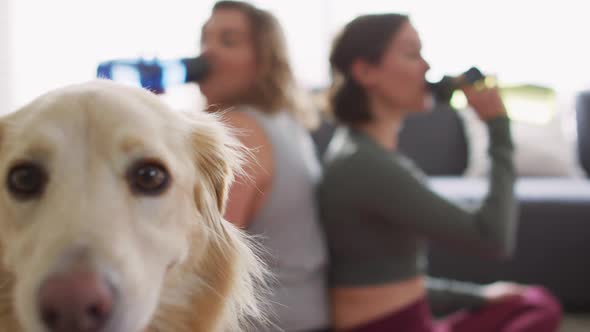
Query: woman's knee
x=541, y=299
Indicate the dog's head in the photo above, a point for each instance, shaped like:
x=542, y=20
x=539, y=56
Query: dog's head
x=106, y=193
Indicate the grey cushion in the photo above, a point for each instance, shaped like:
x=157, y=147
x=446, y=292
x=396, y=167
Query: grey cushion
x=436, y=141
x=323, y=134
x=583, y=123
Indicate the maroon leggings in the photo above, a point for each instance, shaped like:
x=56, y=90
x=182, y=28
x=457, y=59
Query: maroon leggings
x=535, y=311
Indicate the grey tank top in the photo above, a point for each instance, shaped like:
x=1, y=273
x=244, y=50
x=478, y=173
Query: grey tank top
x=287, y=225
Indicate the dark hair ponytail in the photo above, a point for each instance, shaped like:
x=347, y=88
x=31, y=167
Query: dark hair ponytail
x=366, y=37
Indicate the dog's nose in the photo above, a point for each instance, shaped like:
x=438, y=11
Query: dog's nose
x=75, y=301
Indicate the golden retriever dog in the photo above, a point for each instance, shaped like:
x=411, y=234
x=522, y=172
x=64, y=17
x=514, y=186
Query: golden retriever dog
x=111, y=217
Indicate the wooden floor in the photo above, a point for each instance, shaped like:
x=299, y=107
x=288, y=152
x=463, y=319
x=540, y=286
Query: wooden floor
x=576, y=323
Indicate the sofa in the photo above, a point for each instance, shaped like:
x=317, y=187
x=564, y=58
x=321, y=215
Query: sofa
x=553, y=240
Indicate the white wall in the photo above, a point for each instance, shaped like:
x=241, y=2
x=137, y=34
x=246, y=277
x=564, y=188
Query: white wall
x=6, y=66
x=529, y=41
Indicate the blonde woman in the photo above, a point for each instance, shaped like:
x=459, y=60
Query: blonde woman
x=252, y=79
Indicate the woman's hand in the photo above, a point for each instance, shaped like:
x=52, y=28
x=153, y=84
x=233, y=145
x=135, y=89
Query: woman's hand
x=486, y=102
x=500, y=291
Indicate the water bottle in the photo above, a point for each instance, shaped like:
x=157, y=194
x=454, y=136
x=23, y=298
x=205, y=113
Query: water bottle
x=155, y=75
x=442, y=91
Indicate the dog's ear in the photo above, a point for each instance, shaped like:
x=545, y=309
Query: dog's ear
x=218, y=155
x=230, y=267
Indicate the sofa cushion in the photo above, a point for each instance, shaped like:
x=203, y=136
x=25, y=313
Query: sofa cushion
x=435, y=141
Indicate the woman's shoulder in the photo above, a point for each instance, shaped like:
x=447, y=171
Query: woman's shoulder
x=243, y=123
x=249, y=131
x=347, y=146
x=346, y=154
x=352, y=156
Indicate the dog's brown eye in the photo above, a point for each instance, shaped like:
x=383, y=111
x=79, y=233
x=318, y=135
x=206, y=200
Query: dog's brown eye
x=26, y=181
x=148, y=178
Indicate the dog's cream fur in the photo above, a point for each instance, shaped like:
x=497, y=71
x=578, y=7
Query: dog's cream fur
x=178, y=265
